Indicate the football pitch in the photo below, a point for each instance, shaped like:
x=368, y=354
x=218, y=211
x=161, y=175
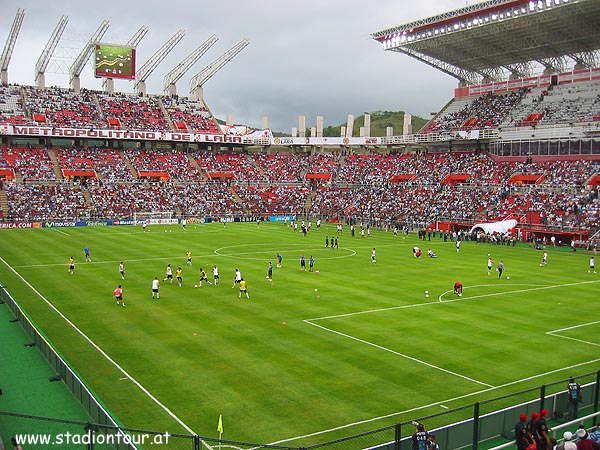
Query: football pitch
x=310, y=356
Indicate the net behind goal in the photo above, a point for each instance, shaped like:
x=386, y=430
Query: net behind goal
x=154, y=218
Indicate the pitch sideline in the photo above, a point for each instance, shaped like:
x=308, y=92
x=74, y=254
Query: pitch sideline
x=102, y=352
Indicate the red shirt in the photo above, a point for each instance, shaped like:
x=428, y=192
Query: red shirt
x=118, y=292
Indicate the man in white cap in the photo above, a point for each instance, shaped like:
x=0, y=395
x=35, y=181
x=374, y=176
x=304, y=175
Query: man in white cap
x=568, y=443
x=583, y=441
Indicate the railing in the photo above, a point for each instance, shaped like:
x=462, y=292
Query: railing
x=556, y=429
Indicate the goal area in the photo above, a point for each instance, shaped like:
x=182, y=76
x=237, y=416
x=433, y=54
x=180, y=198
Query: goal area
x=154, y=218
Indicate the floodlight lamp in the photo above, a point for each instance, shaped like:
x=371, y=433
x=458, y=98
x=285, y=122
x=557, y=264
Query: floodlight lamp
x=531, y=6
x=494, y=16
x=540, y=4
x=507, y=13
x=456, y=26
x=501, y=15
x=475, y=21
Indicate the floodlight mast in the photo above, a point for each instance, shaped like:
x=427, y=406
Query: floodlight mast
x=108, y=84
x=180, y=69
x=144, y=72
x=10, y=45
x=44, y=60
x=85, y=54
x=202, y=77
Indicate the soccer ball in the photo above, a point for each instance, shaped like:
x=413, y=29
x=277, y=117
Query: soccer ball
x=316, y=290
x=195, y=285
x=165, y=231
x=508, y=278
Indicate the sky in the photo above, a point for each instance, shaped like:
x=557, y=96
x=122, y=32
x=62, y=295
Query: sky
x=306, y=58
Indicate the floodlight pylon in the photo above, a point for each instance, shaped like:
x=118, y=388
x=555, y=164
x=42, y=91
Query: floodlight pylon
x=10, y=45
x=144, y=72
x=197, y=82
x=180, y=69
x=85, y=54
x=44, y=59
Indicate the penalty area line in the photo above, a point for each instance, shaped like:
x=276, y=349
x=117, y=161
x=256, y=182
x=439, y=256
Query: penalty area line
x=102, y=352
x=494, y=294
x=411, y=358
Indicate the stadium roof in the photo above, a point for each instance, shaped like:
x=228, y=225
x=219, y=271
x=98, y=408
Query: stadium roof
x=493, y=39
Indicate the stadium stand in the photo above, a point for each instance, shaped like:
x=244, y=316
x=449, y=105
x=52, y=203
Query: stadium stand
x=59, y=107
x=190, y=115
x=11, y=106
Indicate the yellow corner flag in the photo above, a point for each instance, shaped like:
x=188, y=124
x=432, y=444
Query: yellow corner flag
x=220, y=426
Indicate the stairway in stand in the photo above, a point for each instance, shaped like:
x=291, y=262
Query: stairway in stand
x=3, y=204
x=55, y=164
x=197, y=167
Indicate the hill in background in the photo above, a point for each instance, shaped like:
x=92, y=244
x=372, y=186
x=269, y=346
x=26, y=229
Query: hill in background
x=380, y=120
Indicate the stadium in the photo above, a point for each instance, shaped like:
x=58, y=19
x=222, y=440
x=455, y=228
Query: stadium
x=497, y=193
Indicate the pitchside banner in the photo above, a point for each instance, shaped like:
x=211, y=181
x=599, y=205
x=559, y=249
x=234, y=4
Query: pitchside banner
x=263, y=138
x=93, y=133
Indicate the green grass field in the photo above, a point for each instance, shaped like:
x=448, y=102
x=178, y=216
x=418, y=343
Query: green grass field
x=357, y=347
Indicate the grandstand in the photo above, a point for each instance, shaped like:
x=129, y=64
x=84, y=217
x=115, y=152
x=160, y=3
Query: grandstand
x=509, y=144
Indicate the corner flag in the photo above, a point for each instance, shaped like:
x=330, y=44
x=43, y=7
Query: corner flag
x=220, y=426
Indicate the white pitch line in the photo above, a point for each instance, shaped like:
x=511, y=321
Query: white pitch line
x=554, y=286
x=412, y=305
x=440, y=403
x=555, y=333
x=380, y=347
x=61, y=232
x=573, y=327
x=102, y=352
x=418, y=408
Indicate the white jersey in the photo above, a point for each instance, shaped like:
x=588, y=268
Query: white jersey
x=154, y=284
x=169, y=271
x=238, y=275
x=216, y=272
x=490, y=263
